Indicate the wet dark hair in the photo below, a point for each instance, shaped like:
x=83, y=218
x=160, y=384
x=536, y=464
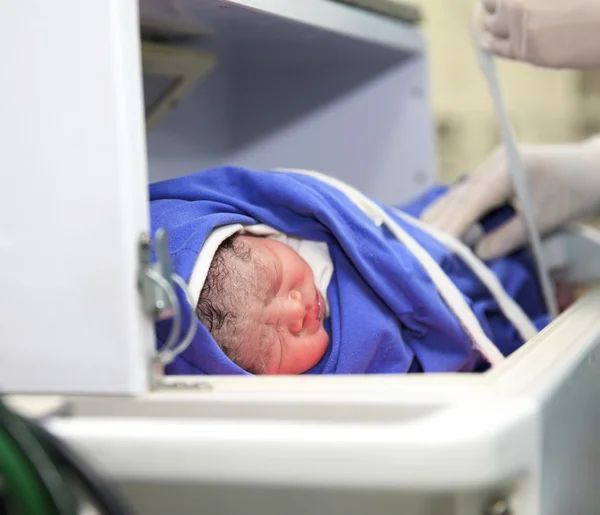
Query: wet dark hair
x=225, y=291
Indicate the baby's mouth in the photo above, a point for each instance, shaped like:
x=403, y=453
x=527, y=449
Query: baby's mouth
x=322, y=308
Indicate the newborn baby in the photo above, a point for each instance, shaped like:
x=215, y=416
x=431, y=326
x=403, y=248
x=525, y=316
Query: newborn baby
x=293, y=272
x=262, y=306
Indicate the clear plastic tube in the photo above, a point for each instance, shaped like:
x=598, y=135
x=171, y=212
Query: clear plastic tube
x=518, y=173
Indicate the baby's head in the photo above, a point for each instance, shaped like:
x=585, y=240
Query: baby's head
x=261, y=305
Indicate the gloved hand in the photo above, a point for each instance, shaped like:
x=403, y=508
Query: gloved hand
x=551, y=33
x=564, y=183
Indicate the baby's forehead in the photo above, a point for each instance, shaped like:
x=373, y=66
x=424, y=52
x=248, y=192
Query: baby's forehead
x=260, y=260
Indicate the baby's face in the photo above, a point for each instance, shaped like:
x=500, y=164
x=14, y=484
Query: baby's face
x=290, y=309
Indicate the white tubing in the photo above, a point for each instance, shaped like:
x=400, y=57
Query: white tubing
x=518, y=173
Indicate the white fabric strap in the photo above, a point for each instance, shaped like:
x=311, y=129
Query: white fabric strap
x=446, y=288
x=509, y=307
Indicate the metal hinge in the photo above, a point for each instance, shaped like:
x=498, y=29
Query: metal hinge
x=157, y=286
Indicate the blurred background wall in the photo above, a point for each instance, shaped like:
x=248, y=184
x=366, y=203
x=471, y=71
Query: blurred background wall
x=545, y=105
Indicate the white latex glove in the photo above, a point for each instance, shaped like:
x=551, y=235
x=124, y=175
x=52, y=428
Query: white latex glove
x=551, y=33
x=564, y=182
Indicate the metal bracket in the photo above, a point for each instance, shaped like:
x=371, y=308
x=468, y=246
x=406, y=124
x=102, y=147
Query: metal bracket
x=154, y=299
x=184, y=66
x=157, y=284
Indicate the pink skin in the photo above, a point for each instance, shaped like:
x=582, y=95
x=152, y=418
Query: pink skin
x=293, y=311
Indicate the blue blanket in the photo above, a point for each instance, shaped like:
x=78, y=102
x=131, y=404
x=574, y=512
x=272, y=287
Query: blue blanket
x=386, y=314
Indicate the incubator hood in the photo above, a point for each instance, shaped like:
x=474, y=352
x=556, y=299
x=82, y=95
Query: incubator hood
x=261, y=83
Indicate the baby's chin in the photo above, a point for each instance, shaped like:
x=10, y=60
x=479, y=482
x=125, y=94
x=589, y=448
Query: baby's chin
x=306, y=355
x=316, y=351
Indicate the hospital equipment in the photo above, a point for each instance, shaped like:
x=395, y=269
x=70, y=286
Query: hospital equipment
x=288, y=79
x=43, y=475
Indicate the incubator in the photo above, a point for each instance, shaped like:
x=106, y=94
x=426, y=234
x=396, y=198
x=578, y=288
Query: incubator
x=92, y=112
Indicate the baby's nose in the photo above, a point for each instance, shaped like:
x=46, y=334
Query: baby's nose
x=294, y=312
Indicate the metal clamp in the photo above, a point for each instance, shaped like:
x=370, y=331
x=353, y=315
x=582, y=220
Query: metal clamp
x=157, y=284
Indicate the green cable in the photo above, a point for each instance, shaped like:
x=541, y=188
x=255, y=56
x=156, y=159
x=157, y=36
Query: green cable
x=20, y=478
x=60, y=497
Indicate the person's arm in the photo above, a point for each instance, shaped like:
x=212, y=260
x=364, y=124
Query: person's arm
x=550, y=33
x=564, y=182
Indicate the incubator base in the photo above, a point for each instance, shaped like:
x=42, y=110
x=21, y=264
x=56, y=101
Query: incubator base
x=524, y=433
